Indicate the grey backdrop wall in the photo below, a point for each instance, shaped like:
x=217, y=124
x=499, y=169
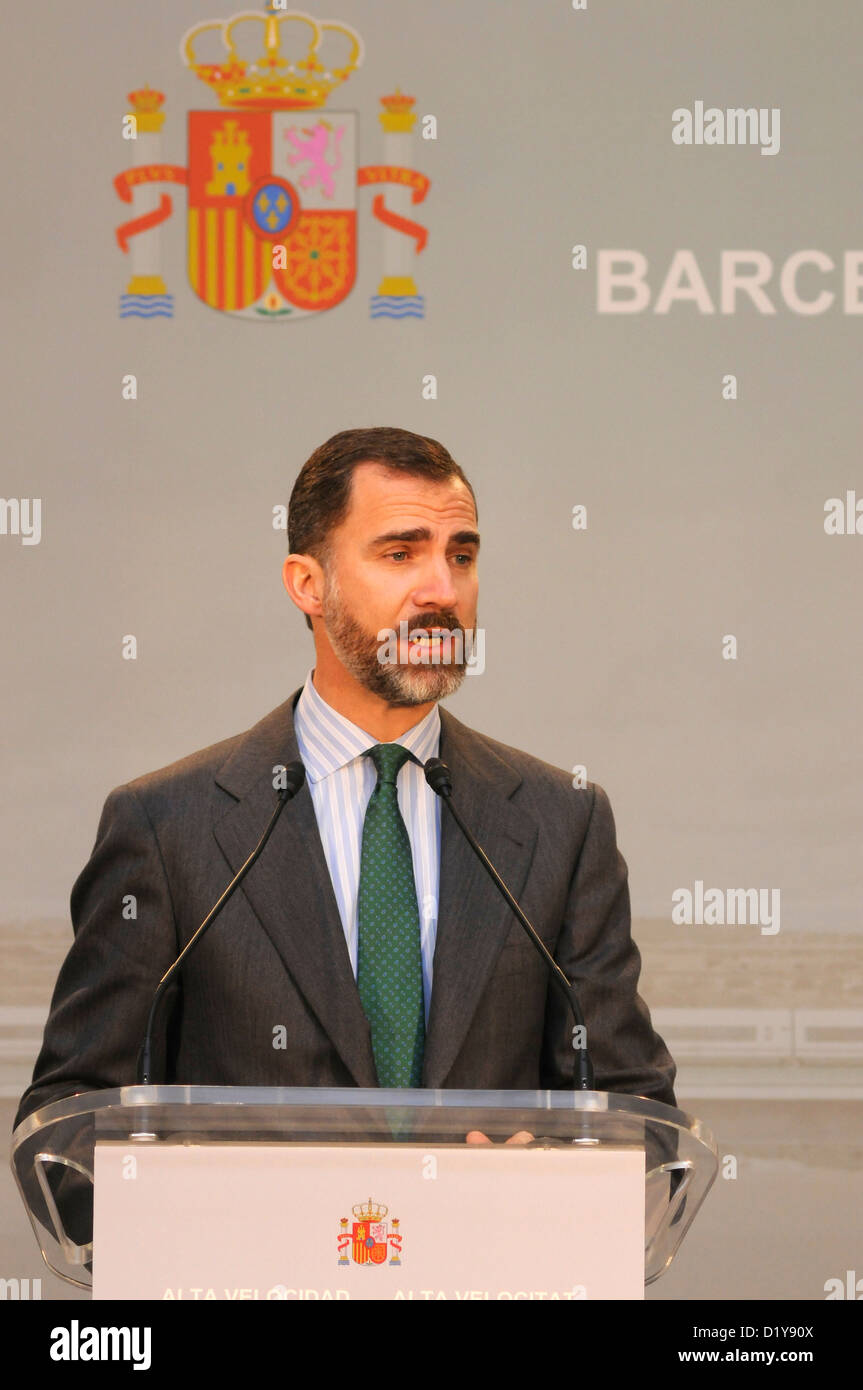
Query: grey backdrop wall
x=606, y=646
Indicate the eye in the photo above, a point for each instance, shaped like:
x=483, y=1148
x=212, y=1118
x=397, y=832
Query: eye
x=468, y=560
x=394, y=554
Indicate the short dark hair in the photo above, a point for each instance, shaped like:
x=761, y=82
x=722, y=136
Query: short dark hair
x=322, y=493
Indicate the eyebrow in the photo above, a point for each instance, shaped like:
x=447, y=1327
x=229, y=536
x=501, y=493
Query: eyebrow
x=422, y=533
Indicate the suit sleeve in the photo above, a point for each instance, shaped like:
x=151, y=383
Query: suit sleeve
x=596, y=951
x=124, y=939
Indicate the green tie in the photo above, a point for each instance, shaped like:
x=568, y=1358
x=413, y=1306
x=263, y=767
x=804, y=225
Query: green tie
x=389, y=961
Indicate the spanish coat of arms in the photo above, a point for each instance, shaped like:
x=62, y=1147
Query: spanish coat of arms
x=272, y=177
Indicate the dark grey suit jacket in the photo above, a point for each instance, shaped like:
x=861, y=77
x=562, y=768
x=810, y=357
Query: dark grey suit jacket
x=277, y=956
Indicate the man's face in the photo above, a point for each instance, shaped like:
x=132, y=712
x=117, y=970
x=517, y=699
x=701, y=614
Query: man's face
x=406, y=553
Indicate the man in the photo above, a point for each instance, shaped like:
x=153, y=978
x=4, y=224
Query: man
x=367, y=946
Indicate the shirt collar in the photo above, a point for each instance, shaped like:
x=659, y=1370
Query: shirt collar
x=328, y=741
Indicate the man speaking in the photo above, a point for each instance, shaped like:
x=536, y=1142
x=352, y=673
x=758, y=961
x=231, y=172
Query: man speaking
x=366, y=946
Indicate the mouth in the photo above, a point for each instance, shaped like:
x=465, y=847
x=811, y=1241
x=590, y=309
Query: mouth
x=431, y=646
x=432, y=637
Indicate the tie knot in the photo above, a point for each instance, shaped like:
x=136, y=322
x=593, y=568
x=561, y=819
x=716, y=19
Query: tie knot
x=388, y=758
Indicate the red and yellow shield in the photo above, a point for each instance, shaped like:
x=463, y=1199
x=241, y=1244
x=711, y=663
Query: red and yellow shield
x=272, y=210
x=369, y=1242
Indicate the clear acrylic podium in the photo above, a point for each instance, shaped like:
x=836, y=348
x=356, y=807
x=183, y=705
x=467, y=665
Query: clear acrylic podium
x=61, y=1150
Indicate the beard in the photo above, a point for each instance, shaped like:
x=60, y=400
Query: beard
x=402, y=682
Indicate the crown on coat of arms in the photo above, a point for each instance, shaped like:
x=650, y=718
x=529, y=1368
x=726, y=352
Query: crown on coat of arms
x=147, y=109
x=397, y=115
x=370, y=1211
x=271, y=80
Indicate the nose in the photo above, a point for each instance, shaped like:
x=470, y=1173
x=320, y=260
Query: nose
x=436, y=587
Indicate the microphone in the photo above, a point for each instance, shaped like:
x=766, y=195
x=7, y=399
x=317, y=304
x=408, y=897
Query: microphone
x=293, y=777
x=437, y=775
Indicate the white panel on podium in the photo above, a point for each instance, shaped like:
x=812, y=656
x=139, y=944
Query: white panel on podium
x=366, y=1222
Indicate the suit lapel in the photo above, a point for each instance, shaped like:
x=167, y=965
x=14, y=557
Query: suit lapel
x=290, y=889
x=473, y=919
x=291, y=892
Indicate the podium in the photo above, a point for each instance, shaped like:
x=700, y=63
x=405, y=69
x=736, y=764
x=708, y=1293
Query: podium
x=200, y=1192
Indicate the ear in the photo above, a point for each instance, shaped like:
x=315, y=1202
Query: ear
x=303, y=578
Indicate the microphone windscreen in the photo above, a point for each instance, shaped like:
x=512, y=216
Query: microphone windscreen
x=437, y=776
x=294, y=777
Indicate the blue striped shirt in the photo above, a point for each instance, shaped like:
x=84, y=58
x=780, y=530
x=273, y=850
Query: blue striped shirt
x=341, y=781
